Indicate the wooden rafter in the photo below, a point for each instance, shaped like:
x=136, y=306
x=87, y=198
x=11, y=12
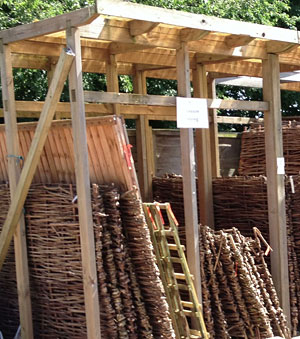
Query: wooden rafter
x=138, y=27
x=80, y=17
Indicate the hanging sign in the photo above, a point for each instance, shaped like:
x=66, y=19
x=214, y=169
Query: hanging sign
x=280, y=166
x=191, y=113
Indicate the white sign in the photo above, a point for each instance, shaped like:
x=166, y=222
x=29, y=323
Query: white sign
x=191, y=113
x=280, y=166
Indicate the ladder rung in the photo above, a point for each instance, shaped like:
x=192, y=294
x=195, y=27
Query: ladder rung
x=177, y=260
x=174, y=247
x=189, y=313
x=180, y=276
x=182, y=287
x=194, y=334
x=187, y=304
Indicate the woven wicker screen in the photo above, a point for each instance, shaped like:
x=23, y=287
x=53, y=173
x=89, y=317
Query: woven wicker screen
x=253, y=159
x=107, y=147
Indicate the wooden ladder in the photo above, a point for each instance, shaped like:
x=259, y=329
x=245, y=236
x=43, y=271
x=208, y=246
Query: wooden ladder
x=169, y=251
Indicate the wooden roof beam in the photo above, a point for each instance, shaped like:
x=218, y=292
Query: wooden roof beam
x=238, y=40
x=128, y=10
x=276, y=47
x=189, y=34
x=76, y=18
x=138, y=27
x=122, y=48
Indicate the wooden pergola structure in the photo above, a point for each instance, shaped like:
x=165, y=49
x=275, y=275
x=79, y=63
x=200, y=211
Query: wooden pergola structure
x=116, y=37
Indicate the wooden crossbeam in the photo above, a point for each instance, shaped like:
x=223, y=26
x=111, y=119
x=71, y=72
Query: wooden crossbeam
x=156, y=100
x=12, y=144
x=80, y=17
x=31, y=162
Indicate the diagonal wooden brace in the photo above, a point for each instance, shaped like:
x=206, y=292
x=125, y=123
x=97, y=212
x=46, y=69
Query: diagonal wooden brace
x=61, y=72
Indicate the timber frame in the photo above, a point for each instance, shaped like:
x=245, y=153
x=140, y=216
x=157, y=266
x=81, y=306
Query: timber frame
x=116, y=37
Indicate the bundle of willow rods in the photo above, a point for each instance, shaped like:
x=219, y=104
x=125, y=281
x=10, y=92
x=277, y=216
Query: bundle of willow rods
x=9, y=309
x=242, y=202
x=252, y=157
x=140, y=245
x=241, y=291
x=132, y=303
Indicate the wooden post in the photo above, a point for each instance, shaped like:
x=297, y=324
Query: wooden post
x=89, y=271
x=188, y=172
x=112, y=80
x=33, y=156
x=275, y=181
x=203, y=151
x=213, y=130
x=139, y=87
x=12, y=144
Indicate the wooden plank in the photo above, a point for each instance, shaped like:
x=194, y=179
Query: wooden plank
x=124, y=9
x=90, y=284
x=157, y=100
x=213, y=131
x=112, y=80
x=188, y=173
x=203, y=154
x=99, y=150
x=150, y=157
x=33, y=156
x=80, y=17
x=139, y=86
x=12, y=143
x=275, y=182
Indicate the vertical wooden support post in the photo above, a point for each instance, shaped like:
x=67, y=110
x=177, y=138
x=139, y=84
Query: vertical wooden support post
x=139, y=87
x=213, y=130
x=12, y=142
x=203, y=152
x=83, y=189
x=275, y=181
x=188, y=172
x=112, y=80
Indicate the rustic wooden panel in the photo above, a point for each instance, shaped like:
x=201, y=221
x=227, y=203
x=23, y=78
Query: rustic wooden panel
x=106, y=142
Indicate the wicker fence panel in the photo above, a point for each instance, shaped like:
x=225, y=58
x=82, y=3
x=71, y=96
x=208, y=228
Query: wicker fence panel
x=9, y=309
x=132, y=302
x=252, y=157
